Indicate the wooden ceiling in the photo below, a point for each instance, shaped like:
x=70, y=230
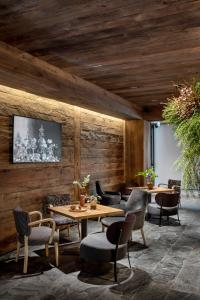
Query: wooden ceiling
x=136, y=49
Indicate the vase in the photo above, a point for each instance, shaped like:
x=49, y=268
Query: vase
x=150, y=185
x=93, y=204
x=82, y=200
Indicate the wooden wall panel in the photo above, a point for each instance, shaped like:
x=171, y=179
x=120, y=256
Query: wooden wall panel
x=92, y=143
x=136, y=150
x=102, y=149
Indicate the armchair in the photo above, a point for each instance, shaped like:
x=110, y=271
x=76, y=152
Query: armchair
x=34, y=233
x=166, y=204
x=173, y=184
x=107, y=197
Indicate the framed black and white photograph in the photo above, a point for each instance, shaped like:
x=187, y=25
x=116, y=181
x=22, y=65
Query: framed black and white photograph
x=36, y=141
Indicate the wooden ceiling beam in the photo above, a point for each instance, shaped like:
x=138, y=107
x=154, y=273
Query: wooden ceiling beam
x=22, y=71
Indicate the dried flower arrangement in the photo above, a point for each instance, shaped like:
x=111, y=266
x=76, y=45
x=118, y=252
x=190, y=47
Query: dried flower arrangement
x=83, y=186
x=183, y=113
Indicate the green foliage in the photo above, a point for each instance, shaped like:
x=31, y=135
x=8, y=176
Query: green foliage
x=187, y=131
x=149, y=174
x=170, y=114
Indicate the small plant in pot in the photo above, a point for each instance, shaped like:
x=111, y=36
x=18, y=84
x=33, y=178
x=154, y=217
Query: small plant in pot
x=150, y=176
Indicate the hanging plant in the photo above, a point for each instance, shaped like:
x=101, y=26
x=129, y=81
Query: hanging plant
x=183, y=113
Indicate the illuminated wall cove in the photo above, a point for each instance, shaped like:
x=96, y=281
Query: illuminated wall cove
x=92, y=143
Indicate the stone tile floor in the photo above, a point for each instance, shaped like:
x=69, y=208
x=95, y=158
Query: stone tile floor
x=168, y=269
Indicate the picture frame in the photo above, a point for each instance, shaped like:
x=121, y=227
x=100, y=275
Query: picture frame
x=36, y=140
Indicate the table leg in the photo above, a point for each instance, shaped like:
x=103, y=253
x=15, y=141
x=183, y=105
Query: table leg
x=83, y=228
x=149, y=197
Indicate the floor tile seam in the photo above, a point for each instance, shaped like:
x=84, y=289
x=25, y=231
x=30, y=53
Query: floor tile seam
x=173, y=282
x=167, y=253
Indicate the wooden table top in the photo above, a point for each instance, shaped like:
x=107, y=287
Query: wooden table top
x=155, y=189
x=100, y=211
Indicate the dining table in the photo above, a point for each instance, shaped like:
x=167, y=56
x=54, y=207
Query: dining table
x=154, y=190
x=84, y=213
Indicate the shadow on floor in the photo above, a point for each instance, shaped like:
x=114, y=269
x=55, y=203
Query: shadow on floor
x=11, y=269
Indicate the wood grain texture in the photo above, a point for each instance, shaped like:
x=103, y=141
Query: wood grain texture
x=92, y=143
x=100, y=211
x=136, y=49
x=23, y=71
x=136, y=150
x=102, y=149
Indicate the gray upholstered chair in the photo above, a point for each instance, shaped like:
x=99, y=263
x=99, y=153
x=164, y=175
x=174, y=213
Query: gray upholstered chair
x=136, y=203
x=110, y=246
x=61, y=221
x=125, y=189
x=33, y=233
x=166, y=204
x=107, y=197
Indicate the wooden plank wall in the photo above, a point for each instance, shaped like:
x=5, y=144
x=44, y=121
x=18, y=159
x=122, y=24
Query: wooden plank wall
x=92, y=143
x=137, y=150
x=102, y=148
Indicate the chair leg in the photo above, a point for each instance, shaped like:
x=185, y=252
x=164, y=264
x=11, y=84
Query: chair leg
x=143, y=236
x=17, y=251
x=147, y=216
x=79, y=231
x=115, y=270
x=128, y=255
x=25, y=254
x=178, y=218
x=47, y=249
x=160, y=219
x=168, y=220
x=56, y=254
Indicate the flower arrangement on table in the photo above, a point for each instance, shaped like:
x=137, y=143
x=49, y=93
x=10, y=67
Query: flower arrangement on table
x=84, y=185
x=150, y=175
x=84, y=192
x=183, y=113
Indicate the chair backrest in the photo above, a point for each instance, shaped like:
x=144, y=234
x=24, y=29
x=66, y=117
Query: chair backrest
x=55, y=200
x=167, y=199
x=137, y=200
x=99, y=188
x=140, y=218
x=21, y=222
x=119, y=233
x=176, y=183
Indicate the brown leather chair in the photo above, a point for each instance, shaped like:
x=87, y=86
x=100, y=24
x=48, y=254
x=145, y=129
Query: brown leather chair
x=173, y=184
x=166, y=204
